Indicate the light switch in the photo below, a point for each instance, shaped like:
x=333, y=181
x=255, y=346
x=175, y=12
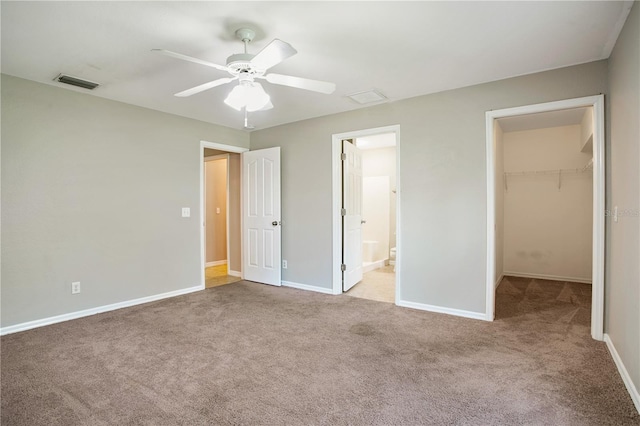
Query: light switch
x=217, y=210
x=186, y=212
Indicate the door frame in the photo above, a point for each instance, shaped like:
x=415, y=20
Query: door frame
x=213, y=158
x=336, y=180
x=226, y=148
x=597, y=286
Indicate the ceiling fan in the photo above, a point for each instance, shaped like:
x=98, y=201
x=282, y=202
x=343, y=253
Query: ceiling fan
x=246, y=68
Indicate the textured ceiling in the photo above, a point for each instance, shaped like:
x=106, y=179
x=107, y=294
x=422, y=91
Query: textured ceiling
x=403, y=49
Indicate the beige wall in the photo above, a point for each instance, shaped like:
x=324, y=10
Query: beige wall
x=382, y=162
x=622, y=292
x=92, y=191
x=216, y=210
x=376, y=197
x=499, y=201
x=586, y=131
x=443, y=182
x=547, y=230
x=235, y=213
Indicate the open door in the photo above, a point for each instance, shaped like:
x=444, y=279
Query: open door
x=351, y=215
x=261, y=216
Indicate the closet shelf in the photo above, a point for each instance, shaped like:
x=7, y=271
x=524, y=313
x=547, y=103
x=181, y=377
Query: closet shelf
x=559, y=172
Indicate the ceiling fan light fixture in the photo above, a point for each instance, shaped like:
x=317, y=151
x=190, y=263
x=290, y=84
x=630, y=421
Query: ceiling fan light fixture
x=248, y=95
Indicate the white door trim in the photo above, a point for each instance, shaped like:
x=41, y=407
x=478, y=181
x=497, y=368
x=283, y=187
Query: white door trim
x=336, y=180
x=220, y=147
x=597, y=102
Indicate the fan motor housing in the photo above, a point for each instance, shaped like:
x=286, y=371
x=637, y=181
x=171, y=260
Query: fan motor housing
x=241, y=63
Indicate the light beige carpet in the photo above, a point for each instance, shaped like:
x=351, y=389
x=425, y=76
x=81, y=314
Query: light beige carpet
x=251, y=354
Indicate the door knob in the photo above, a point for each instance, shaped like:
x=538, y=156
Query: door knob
x=363, y=221
x=275, y=223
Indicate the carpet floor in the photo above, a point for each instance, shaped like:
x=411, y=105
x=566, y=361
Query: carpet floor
x=251, y=354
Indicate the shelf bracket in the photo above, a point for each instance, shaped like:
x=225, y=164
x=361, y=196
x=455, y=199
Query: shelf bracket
x=559, y=179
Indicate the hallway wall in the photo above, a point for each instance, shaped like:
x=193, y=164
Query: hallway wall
x=215, y=210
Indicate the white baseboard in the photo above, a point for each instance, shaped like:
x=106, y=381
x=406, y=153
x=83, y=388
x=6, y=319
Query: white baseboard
x=547, y=277
x=215, y=263
x=373, y=266
x=441, y=310
x=234, y=273
x=626, y=378
x=92, y=311
x=495, y=286
x=307, y=287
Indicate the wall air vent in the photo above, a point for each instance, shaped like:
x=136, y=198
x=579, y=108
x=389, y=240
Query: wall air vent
x=75, y=81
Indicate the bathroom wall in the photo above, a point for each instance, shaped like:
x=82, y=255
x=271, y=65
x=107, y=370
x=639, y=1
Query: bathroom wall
x=547, y=229
x=376, y=198
x=382, y=162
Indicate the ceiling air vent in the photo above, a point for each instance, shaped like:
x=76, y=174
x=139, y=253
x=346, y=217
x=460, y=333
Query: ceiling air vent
x=75, y=81
x=367, y=97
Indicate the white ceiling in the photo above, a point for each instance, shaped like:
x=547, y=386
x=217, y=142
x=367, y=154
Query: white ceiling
x=403, y=49
x=565, y=117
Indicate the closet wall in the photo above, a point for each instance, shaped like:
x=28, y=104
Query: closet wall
x=499, y=201
x=547, y=216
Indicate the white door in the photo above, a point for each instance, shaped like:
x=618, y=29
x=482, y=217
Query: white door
x=352, y=215
x=261, y=216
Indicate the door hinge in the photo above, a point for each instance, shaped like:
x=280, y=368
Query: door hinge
x=343, y=267
x=343, y=156
x=343, y=212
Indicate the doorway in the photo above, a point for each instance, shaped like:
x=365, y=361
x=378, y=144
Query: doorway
x=222, y=217
x=220, y=214
x=589, y=266
x=378, y=155
x=378, y=236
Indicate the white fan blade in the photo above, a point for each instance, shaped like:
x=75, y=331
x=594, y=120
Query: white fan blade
x=189, y=58
x=274, y=53
x=205, y=86
x=302, y=83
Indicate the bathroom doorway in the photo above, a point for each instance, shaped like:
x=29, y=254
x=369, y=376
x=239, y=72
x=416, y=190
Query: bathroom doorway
x=378, y=233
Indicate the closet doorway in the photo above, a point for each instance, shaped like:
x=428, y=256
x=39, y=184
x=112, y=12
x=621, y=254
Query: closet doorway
x=546, y=211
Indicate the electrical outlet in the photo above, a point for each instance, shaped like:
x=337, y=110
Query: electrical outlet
x=186, y=212
x=75, y=287
x=284, y=264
